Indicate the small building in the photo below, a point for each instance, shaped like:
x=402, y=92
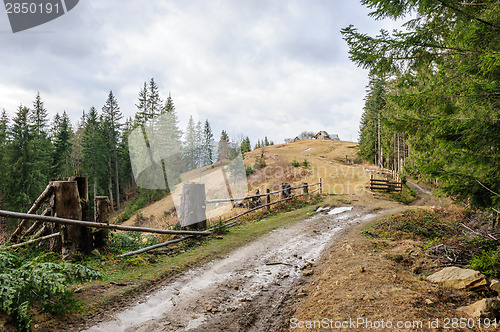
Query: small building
x=322, y=135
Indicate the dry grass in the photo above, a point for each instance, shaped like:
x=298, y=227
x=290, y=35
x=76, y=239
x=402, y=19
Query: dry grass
x=327, y=160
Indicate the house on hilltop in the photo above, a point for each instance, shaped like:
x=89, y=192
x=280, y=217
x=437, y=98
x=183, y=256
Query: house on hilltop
x=324, y=135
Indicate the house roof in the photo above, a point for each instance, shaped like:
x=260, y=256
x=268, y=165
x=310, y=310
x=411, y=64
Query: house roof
x=323, y=132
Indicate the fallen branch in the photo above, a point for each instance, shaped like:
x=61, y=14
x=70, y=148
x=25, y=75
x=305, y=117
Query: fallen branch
x=37, y=224
x=31, y=241
x=36, y=205
x=156, y=246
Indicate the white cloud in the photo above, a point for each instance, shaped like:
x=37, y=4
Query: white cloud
x=255, y=68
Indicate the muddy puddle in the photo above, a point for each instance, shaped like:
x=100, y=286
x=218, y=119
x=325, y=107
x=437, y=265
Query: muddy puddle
x=246, y=290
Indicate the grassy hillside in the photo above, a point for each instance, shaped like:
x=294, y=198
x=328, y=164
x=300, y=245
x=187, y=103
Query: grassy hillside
x=326, y=159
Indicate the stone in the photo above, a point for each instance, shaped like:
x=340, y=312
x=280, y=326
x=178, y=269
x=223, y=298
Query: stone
x=458, y=278
x=211, y=308
x=495, y=285
x=308, y=272
x=485, y=308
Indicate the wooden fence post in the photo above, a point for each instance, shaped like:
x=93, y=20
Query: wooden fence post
x=305, y=189
x=67, y=205
x=103, y=206
x=268, y=199
x=320, y=186
x=193, y=206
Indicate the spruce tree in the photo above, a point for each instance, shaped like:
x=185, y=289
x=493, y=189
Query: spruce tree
x=94, y=158
x=223, y=151
x=190, y=145
x=21, y=178
x=112, y=116
x=443, y=91
x=61, y=156
x=4, y=144
x=208, y=143
x=42, y=160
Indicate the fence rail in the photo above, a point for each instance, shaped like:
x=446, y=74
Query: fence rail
x=232, y=221
x=225, y=200
x=64, y=221
x=285, y=195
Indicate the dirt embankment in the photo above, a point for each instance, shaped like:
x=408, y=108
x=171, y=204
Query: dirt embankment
x=370, y=283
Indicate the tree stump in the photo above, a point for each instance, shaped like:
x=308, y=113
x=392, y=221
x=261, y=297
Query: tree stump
x=102, y=216
x=67, y=205
x=193, y=208
x=286, y=192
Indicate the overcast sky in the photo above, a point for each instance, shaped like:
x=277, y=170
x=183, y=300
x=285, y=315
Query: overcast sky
x=253, y=68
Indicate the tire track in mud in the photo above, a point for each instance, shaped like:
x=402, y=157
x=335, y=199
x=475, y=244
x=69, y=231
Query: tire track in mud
x=250, y=289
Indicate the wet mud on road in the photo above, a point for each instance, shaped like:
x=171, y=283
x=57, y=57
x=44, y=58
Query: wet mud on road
x=252, y=289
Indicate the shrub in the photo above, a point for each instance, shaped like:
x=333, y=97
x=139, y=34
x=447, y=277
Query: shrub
x=249, y=170
x=295, y=163
x=305, y=163
x=220, y=228
x=260, y=162
x=25, y=283
x=130, y=241
x=487, y=262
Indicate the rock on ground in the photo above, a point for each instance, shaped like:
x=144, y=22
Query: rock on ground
x=458, y=278
x=485, y=308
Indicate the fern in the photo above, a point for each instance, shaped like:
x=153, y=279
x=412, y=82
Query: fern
x=28, y=282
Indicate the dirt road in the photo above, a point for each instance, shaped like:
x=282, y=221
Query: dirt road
x=252, y=289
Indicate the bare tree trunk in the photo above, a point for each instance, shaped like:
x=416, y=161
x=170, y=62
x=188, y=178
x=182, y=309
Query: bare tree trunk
x=110, y=185
x=117, y=180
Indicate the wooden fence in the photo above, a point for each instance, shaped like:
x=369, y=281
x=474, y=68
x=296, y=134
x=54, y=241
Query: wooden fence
x=285, y=194
x=385, y=184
